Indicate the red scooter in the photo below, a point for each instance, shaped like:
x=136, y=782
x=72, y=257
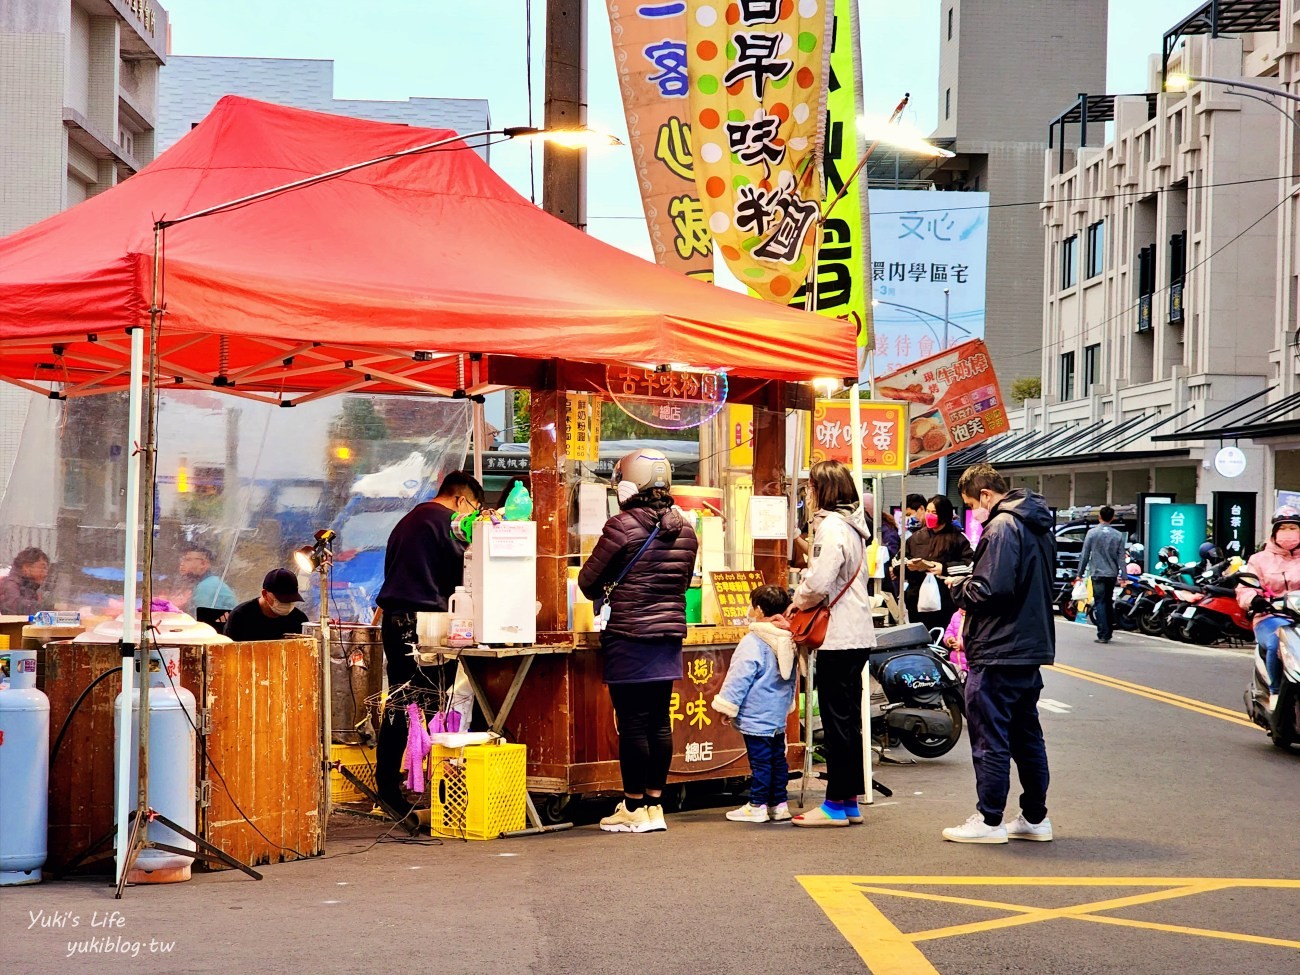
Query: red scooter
x=1217, y=615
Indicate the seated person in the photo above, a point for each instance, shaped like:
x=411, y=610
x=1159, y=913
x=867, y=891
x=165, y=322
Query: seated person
x=272, y=615
x=22, y=590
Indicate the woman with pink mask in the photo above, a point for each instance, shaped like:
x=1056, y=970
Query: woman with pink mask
x=934, y=550
x=1277, y=566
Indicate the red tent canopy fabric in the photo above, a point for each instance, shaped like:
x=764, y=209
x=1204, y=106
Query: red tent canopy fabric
x=335, y=286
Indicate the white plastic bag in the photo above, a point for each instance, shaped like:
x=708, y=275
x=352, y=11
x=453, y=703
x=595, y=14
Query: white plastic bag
x=929, y=599
x=1080, y=593
x=462, y=697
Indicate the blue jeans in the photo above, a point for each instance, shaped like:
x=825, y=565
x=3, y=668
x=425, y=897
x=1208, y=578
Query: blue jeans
x=1002, y=715
x=767, y=765
x=1266, y=635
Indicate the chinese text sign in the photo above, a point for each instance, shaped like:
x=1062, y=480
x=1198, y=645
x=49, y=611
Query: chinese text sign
x=830, y=435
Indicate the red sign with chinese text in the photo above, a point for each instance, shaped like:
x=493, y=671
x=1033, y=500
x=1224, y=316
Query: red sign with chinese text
x=830, y=436
x=954, y=401
x=669, y=399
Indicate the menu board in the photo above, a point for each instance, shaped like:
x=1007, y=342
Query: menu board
x=732, y=590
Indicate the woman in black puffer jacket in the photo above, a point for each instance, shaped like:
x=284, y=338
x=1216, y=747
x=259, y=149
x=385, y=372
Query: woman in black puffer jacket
x=642, y=640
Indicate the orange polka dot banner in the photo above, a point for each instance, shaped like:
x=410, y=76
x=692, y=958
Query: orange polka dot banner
x=757, y=76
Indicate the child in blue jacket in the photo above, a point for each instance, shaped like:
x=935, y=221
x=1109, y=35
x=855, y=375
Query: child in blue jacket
x=757, y=695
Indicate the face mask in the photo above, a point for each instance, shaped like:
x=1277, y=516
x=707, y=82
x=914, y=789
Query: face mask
x=1288, y=539
x=931, y=520
x=626, y=490
x=281, y=609
x=980, y=514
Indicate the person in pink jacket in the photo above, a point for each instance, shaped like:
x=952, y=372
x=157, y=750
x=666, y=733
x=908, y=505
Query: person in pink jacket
x=1277, y=566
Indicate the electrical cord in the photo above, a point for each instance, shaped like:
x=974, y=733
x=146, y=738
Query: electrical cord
x=67, y=721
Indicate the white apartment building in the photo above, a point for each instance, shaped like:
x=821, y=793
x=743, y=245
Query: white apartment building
x=1160, y=300
x=78, y=107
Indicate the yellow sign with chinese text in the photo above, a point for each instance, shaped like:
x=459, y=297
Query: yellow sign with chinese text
x=830, y=435
x=582, y=427
x=732, y=590
x=740, y=436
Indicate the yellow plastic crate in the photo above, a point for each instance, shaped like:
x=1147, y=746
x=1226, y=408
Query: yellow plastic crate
x=360, y=761
x=478, y=792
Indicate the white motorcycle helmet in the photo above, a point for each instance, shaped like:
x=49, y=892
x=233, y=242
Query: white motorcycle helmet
x=641, y=470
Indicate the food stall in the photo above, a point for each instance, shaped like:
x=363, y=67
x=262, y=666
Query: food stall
x=234, y=303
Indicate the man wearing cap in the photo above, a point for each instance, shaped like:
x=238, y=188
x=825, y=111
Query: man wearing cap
x=272, y=615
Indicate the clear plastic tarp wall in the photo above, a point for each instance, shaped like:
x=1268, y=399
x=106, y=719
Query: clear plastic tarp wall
x=240, y=487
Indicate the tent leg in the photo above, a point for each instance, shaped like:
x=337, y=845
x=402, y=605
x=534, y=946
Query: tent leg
x=130, y=565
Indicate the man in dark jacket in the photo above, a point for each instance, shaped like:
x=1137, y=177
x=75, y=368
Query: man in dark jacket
x=1009, y=634
x=423, y=566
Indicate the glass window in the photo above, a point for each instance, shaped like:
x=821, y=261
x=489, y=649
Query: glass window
x=1067, y=376
x=1096, y=248
x=947, y=104
x=950, y=23
x=1069, y=261
x=1091, y=366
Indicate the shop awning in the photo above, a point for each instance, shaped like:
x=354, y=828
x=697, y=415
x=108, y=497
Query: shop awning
x=386, y=279
x=1251, y=417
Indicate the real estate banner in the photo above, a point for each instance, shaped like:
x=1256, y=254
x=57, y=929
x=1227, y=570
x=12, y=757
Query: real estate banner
x=650, y=55
x=955, y=401
x=924, y=243
x=843, y=290
x=757, y=102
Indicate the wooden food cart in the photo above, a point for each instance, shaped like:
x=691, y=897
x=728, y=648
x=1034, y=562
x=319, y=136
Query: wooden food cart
x=551, y=697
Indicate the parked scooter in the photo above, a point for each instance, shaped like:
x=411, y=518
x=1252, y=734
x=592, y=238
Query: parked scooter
x=1217, y=615
x=924, y=701
x=1282, y=720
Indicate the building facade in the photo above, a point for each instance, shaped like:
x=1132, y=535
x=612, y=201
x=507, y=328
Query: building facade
x=1160, y=288
x=191, y=86
x=78, y=108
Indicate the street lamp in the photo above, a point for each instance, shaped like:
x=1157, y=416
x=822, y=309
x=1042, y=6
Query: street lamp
x=1182, y=82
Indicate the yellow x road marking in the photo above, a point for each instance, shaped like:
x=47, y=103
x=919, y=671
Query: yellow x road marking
x=888, y=951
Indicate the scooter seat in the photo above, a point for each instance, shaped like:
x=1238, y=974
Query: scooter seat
x=901, y=637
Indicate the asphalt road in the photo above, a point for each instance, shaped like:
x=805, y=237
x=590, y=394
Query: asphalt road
x=1177, y=854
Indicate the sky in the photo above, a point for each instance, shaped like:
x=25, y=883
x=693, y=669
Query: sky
x=397, y=49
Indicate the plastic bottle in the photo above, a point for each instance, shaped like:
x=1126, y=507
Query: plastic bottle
x=460, y=630
x=519, y=504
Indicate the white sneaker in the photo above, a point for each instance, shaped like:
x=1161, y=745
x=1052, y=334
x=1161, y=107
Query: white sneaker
x=781, y=813
x=749, y=813
x=1022, y=829
x=622, y=821
x=1272, y=703
x=975, y=830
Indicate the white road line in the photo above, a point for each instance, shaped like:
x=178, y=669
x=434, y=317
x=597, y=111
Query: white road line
x=1056, y=707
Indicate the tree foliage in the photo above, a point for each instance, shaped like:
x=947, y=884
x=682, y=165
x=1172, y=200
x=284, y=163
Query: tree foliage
x=1026, y=387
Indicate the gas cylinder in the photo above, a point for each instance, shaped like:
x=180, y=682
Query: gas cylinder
x=24, y=769
x=171, y=766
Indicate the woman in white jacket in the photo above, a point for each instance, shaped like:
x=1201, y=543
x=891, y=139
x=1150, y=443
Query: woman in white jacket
x=836, y=574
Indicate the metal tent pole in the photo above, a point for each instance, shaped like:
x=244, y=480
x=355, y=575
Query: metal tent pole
x=130, y=566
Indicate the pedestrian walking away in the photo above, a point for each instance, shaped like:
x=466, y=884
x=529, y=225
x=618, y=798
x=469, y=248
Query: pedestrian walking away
x=757, y=696
x=1009, y=635
x=1102, y=561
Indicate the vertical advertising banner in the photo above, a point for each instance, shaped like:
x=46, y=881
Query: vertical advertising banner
x=830, y=435
x=650, y=55
x=921, y=243
x=845, y=250
x=1181, y=525
x=757, y=103
x=1234, y=522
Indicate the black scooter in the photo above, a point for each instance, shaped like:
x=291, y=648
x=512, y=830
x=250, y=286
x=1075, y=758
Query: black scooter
x=924, y=699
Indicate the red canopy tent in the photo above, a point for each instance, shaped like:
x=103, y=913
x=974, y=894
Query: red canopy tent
x=334, y=287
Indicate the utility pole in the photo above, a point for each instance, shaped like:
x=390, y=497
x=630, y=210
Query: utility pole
x=943, y=461
x=564, y=171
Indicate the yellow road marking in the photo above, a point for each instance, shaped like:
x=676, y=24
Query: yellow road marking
x=1230, y=712
x=888, y=951
x=884, y=949
x=1032, y=915
x=1163, y=697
